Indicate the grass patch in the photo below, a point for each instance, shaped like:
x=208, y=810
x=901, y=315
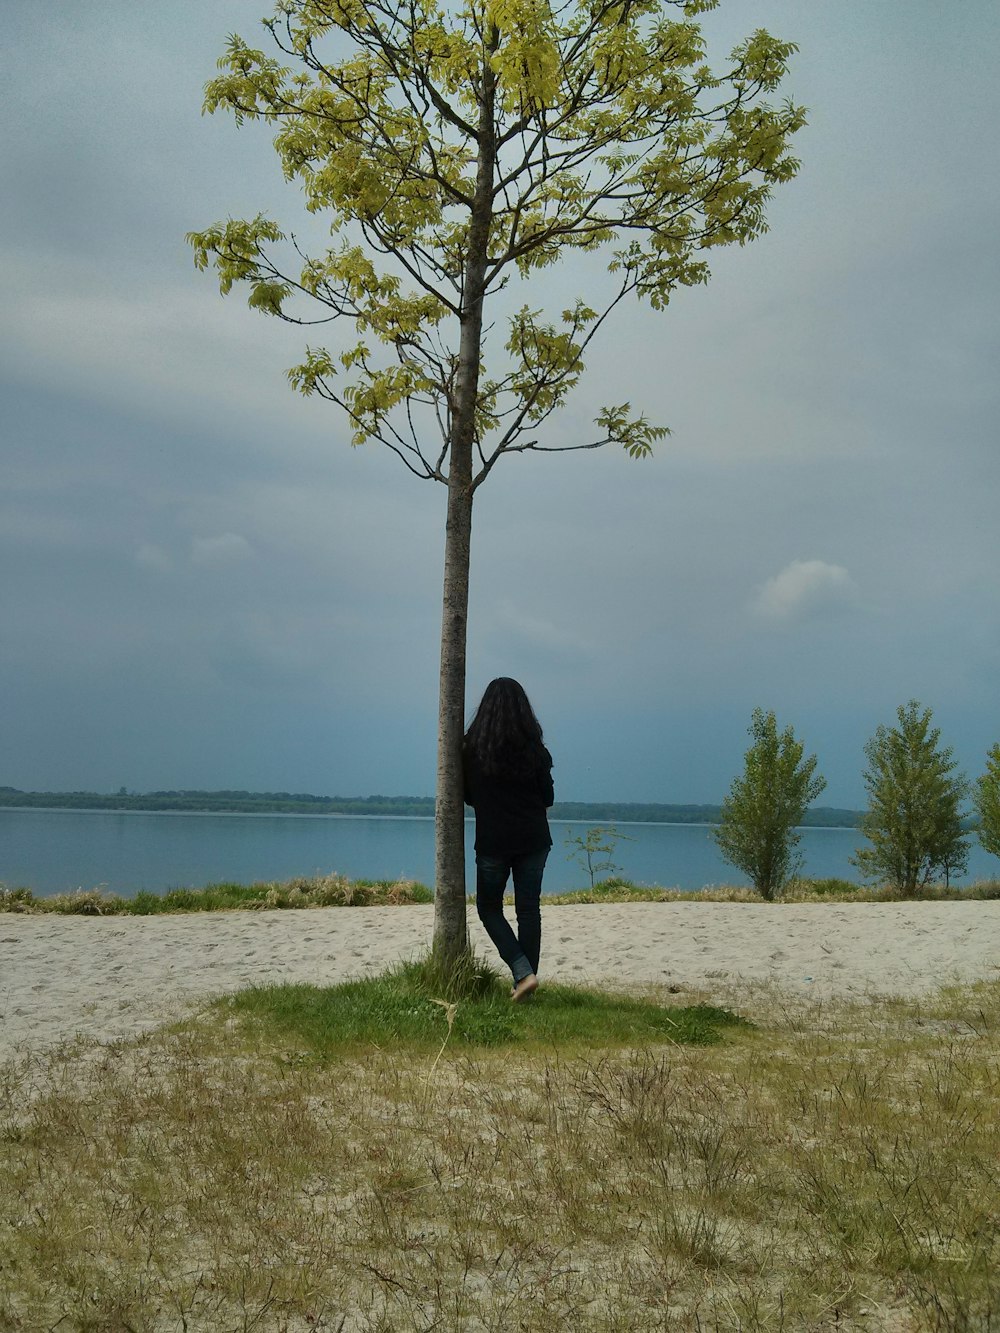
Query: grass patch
x=830, y=1167
x=400, y=1009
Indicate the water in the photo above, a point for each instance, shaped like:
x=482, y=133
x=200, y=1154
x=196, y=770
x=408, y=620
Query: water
x=56, y=851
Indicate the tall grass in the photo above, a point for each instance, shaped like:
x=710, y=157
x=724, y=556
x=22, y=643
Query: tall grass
x=323, y=891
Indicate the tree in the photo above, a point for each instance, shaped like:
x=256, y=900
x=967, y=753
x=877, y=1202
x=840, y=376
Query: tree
x=595, y=849
x=986, y=799
x=756, y=830
x=457, y=153
x=914, y=817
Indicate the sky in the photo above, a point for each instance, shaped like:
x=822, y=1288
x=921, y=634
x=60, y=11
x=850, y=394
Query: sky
x=203, y=585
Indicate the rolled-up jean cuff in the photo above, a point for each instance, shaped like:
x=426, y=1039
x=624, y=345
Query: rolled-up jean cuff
x=520, y=968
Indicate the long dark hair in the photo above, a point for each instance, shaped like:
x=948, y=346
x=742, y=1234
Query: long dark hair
x=504, y=736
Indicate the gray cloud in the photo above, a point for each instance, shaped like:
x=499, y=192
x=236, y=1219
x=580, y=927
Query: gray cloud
x=804, y=588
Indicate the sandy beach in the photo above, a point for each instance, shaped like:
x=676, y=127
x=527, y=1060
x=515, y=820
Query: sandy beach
x=111, y=977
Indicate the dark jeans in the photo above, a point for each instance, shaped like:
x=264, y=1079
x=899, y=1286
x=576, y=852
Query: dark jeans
x=520, y=952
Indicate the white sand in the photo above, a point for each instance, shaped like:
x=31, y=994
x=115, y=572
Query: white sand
x=111, y=977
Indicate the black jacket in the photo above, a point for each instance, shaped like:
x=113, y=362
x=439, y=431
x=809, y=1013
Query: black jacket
x=510, y=812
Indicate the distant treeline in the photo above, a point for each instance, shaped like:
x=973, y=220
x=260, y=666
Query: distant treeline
x=230, y=802
x=302, y=803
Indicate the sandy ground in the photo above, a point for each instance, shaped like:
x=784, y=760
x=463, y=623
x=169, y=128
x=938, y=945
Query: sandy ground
x=111, y=977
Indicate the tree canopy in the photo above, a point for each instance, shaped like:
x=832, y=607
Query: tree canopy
x=522, y=128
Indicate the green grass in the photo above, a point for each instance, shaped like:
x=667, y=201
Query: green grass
x=400, y=1009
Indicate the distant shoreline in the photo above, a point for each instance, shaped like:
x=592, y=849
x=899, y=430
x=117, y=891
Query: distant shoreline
x=340, y=814
x=414, y=807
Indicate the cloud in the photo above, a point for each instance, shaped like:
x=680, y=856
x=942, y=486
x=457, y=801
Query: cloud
x=802, y=589
x=154, y=557
x=227, y=549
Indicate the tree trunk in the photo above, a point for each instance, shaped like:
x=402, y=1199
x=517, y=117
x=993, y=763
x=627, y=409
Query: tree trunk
x=451, y=938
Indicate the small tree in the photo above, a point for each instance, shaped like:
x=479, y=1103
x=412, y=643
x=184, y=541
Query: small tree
x=594, y=849
x=986, y=799
x=756, y=832
x=914, y=818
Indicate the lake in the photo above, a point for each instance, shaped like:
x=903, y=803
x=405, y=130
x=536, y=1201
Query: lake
x=56, y=851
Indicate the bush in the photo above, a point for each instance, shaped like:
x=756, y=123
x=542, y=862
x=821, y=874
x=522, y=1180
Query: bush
x=338, y=891
x=988, y=889
x=986, y=798
x=87, y=902
x=831, y=887
x=756, y=832
x=914, y=818
x=16, y=900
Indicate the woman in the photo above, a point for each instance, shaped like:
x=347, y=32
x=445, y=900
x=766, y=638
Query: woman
x=508, y=782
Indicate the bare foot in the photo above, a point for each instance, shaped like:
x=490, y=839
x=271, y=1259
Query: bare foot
x=525, y=987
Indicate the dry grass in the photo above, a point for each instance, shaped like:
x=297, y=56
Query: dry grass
x=833, y=1168
x=798, y=891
